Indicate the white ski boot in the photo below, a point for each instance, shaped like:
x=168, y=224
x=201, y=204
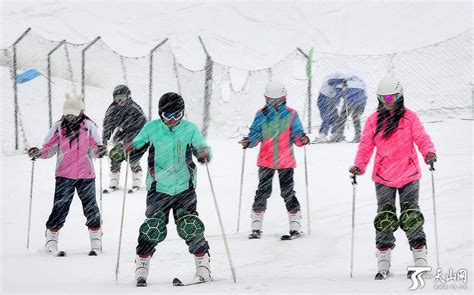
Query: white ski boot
x=52, y=237
x=321, y=138
x=419, y=258
x=257, y=223
x=141, y=272
x=295, y=223
x=114, y=180
x=137, y=179
x=383, y=263
x=95, y=235
x=203, y=267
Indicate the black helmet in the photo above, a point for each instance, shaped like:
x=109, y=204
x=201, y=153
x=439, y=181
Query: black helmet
x=170, y=102
x=122, y=89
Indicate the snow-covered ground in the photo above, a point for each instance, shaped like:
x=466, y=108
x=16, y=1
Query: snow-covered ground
x=317, y=263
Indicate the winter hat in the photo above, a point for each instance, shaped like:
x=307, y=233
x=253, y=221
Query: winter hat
x=275, y=89
x=122, y=89
x=170, y=102
x=73, y=105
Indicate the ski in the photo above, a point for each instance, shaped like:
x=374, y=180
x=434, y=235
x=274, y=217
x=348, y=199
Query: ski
x=381, y=276
x=256, y=234
x=57, y=253
x=141, y=282
x=133, y=190
x=179, y=283
x=293, y=235
x=109, y=190
x=92, y=253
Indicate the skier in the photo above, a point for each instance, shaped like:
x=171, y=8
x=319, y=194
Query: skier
x=171, y=183
x=351, y=88
x=74, y=139
x=392, y=130
x=277, y=127
x=122, y=122
x=328, y=100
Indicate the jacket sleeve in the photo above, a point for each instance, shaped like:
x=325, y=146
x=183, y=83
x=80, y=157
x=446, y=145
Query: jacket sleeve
x=142, y=137
x=108, y=125
x=421, y=138
x=297, y=131
x=94, y=139
x=366, y=145
x=51, y=142
x=199, y=143
x=255, y=134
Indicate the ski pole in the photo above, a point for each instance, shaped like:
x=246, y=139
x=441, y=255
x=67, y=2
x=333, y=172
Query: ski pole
x=307, y=191
x=100, y=191
x=432, y=169
x=121, y=221
x=232, y=269
x=31, y=202
x=241, y=188
x=354, y=184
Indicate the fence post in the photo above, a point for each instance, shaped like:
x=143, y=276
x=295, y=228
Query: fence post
x=50, y=111
x=207, y=90
x=150, y=88
x=83, y=69
x=309, y=63
x=15, y=89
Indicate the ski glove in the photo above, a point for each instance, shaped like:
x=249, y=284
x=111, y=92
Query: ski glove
x=244, y=142
x=102, y=151
x=430, y=158
x=355, y=170
x=305, y=140
x=203, y=156
x=34, y=153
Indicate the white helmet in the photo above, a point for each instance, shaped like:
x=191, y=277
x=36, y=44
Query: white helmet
x=275, y=89
x=389, y=85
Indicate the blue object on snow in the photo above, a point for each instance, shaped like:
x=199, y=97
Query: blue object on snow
x=27, y=76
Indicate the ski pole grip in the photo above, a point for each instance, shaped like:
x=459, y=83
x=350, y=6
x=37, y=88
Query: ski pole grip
x=432, y=168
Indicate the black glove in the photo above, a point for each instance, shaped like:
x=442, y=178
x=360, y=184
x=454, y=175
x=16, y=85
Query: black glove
x=355, y=170
x=34, y=153
x=244, y=142
x=102, y=151
x=203, y=156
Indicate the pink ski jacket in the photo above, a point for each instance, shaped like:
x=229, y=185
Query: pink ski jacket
x=74, y=158
x=396, y=161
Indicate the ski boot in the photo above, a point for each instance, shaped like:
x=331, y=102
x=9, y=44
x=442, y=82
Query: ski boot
x=142, y=263
x=95, y=235
x=419, y=258
x=52, y=236
x=114, y=180
x=321, y=138
x=257, y=223
x=203, y=267
x=383, y=263
x=137, y=179
x=294, y=219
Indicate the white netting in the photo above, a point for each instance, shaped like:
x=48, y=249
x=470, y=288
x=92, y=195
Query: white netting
x=435, y=78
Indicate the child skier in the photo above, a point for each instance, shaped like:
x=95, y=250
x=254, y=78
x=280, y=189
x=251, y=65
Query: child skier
x=277, y=127
x=392, y=130
x=75, y=140
x=122, y=122
x=171, y=184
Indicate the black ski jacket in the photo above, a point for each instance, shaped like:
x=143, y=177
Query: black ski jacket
x=130, y=119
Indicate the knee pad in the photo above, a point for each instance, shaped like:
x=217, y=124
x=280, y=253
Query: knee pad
x=117, y=154
x=411, y=218
x=386, y=220
x=153, y=229
x=189, y=226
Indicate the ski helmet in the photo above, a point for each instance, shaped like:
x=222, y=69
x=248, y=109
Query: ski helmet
x=122, y=89
x=390, y=85
x=170, y=102
x=275, y=89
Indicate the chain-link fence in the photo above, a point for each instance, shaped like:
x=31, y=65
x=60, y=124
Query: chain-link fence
x=221, y=100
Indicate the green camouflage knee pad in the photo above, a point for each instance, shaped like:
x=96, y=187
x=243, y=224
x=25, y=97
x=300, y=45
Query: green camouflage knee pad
x=411, y=218
x=117, y=154
x=189, y=226
x=386, y=220
x=153, y=229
